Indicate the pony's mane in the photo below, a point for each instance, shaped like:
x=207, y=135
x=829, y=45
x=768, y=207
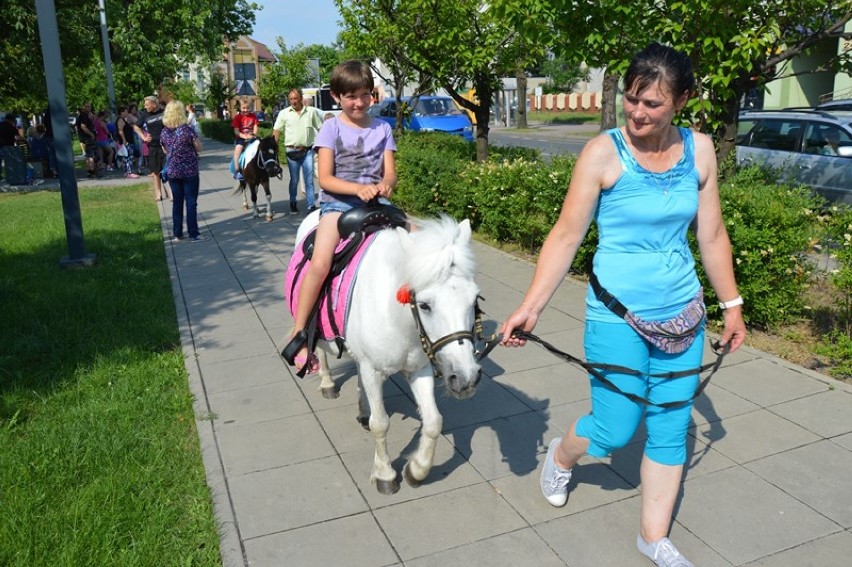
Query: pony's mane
x=436, y=254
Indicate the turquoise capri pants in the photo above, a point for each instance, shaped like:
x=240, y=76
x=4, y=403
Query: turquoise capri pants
x=614, y=418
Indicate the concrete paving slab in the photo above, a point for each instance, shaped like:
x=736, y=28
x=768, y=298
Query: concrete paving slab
x=354, y=541
x=243, y=373
x=830, y=551
x=539, y=388
x=743, y=517
x=765, y=382
x=738, y=443
x=807, y=474
x=593, y=484
x=606, y=535
x=284, y=498
x=844, y=441
x=717, y=404
x=504, y=446
x=260, y=403
x=266, y=445
x=346, y=434
x=447, y=520
x=516, y=549
x=490, y=402
x=449, y=472
x=828, y=414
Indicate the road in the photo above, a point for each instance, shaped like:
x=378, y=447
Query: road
x=550, y=139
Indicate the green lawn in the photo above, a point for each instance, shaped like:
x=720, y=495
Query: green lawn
x=99, y=456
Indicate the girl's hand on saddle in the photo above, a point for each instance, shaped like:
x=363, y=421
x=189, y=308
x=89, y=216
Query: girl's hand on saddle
x=385, y=189
x=367, y=192
x=521, y=320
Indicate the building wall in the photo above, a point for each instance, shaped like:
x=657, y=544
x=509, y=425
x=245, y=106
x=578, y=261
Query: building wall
x=809, y=89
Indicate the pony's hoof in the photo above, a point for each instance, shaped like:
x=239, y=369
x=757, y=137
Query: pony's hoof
x=330, y=393
x=409, y=478
x=268, y=218
x=387, y=487
x=364, y=421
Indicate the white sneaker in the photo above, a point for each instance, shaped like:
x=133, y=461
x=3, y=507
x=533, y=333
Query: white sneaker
x=554, y=481
x=663, y=553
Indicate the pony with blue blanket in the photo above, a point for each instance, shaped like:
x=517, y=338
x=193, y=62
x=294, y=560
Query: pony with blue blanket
x=259, y=162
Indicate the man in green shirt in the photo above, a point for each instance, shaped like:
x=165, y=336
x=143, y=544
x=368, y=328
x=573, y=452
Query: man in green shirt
x=295, y=128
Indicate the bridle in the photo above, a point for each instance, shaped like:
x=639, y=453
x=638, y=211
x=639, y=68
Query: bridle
x=431, y=348
x=263, y=163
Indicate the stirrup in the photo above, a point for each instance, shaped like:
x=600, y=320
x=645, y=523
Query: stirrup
x=296, y=344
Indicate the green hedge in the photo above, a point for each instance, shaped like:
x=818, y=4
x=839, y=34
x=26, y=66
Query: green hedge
x=515, y=197
x=220, y=130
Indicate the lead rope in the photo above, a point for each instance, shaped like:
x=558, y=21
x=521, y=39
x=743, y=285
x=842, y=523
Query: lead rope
x=596, y=368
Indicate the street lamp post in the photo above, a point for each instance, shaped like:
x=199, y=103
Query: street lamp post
x=107, y=57
x=49, y=35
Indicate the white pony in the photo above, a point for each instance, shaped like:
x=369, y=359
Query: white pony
x=435, y=262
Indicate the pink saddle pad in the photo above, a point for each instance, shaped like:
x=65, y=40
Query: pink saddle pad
x=334, y=305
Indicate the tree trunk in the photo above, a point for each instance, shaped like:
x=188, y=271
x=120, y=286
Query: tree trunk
x=483, y=117
x=522, y=98
x=608, y=110
x=728, y=133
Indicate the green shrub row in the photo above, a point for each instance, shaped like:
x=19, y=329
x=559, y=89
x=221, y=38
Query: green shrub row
x=221, y=131
x=515, y=197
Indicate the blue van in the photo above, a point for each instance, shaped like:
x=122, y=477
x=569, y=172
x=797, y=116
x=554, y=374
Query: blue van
x=430, y=114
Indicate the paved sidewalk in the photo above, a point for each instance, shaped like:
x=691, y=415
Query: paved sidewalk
x=768, y=481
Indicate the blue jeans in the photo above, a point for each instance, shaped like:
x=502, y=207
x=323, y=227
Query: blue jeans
x=306, y=166
x=185, y=189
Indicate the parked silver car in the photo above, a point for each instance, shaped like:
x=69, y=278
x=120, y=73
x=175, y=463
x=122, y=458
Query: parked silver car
x=807, y=147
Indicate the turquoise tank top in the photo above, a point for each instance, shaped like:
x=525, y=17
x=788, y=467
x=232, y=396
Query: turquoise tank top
x=643, y=257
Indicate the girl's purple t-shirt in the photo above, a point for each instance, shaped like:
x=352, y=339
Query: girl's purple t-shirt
x=358, y=153
x=180, y=147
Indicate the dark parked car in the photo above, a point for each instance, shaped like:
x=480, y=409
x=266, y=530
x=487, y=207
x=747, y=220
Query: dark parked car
x=430, y=114
x=807, y=147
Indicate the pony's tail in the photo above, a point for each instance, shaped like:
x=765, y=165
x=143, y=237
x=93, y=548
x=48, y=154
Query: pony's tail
x=241, y=187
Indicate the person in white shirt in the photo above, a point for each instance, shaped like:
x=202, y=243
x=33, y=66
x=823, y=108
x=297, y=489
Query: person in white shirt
x=296, y=128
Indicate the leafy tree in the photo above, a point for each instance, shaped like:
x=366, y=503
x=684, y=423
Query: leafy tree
x=292, y=70
x=220, y=90
x=737, y=45
x=372, y=35
x=562, y=75
x=144, y=52
x=734, y=45
x=182, y=90
x=465, y=43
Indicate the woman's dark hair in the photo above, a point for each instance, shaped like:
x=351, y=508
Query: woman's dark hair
x=660, y=63
x=350, y=76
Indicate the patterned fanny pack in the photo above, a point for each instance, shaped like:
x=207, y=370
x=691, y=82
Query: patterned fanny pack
x=672, y=336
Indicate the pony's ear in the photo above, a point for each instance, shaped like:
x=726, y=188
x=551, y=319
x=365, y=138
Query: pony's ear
x=464, y=231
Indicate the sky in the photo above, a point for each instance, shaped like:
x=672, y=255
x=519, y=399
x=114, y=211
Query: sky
x=297, y=21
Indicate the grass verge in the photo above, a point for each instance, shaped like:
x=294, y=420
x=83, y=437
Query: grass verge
x=100, y=458
x=565, y=117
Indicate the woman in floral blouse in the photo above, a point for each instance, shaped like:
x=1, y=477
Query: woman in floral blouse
x=182, y=145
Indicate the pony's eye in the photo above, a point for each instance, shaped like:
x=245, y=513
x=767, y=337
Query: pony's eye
x=424, y=306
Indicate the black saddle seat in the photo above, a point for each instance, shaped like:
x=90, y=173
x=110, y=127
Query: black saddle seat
x=365, y=220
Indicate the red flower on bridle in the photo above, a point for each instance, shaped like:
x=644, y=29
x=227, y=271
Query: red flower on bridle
x=403, y=294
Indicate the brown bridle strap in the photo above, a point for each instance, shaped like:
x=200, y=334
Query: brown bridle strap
x=431, y=348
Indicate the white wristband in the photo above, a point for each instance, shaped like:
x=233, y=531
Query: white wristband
x=738, y=300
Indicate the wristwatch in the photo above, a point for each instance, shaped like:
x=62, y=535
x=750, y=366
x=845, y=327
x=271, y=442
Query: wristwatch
x=738, y=300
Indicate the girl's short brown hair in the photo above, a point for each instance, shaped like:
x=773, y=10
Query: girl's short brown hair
x=350, y=76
